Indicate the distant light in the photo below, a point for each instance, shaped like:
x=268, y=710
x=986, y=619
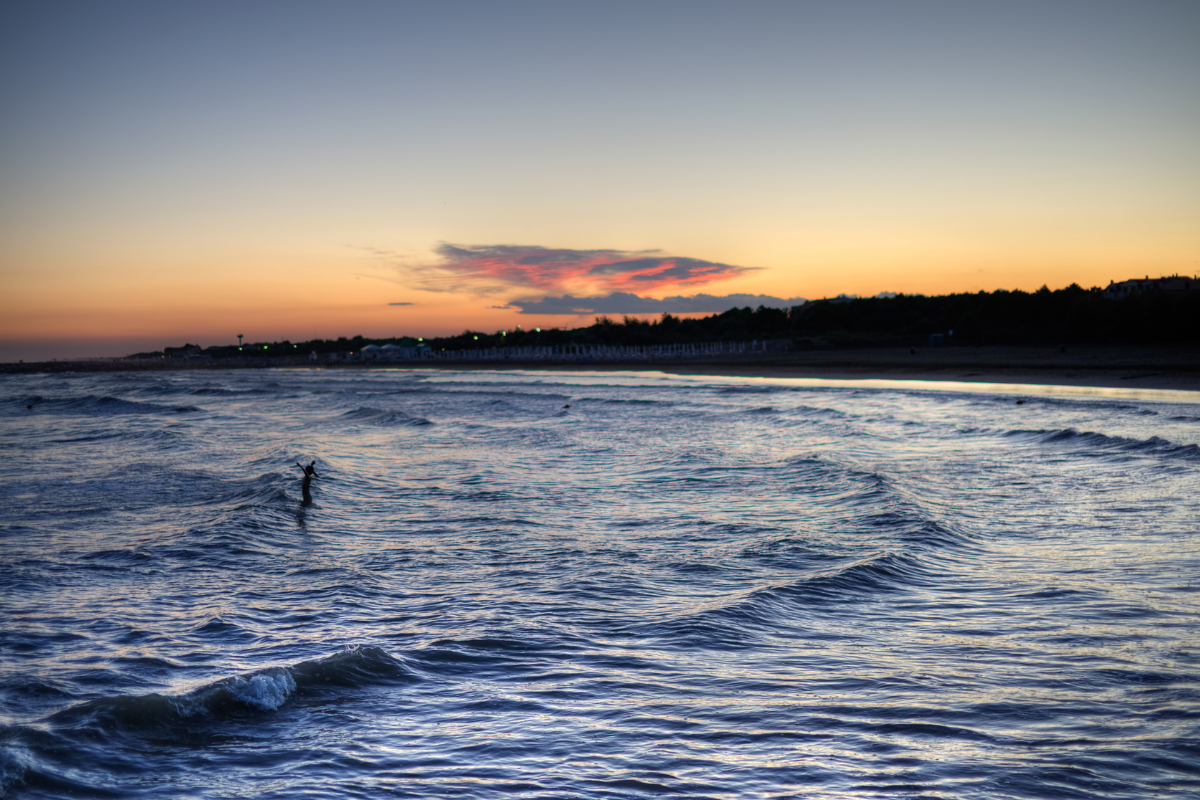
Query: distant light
x=539, y=330
x=504, y=333
x=239, y=348
x=420, y=338
x=477, y=338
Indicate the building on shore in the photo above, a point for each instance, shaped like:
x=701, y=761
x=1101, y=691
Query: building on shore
x=187, y=351
x=1147, y=285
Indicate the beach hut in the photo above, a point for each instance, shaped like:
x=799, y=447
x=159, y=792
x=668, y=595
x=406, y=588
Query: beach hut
x=371, y=352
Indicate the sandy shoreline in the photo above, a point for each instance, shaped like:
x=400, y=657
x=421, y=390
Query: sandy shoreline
x=1172, y=368
x=1140, y=368
x=1169, y=368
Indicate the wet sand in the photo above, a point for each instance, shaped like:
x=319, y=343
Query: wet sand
x=1113, y=367
x=1172, y=368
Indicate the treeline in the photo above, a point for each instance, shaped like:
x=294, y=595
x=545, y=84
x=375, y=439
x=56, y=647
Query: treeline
x=1073, y=315
x=737, y=324
x=1065, y=316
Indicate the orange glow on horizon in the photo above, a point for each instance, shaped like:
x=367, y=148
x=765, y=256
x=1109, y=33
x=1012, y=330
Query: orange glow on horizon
x=326, y=295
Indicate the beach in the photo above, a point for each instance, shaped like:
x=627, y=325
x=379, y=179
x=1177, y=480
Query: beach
x=1174, y=368
x=1115, y=367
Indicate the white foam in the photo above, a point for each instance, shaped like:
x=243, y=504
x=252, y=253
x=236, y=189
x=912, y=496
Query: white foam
x=266, y=690
x=12, y=768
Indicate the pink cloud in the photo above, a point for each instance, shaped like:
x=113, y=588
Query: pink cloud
x=547, y=269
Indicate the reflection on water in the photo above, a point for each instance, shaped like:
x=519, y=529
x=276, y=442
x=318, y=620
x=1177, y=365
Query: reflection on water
x=596, y=585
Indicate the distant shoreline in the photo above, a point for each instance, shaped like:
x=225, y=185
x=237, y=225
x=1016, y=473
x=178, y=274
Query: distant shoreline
x=1137, y=367
x=1176, y=368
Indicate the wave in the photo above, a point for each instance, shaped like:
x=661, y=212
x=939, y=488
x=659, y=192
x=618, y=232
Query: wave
x=739, y=390
x=620, y=401
x=13, y=762
x=159, y=388
x=739, y=622
x=259, y=691
x=164, y=438
x=378, y=416
x=92, y=405
x=827, y=478
x=870, y=577
x=262, y=491
x=1091, y=404
x=486, y=390
x=223, y=391
x=871, y=542
x=33, y=755
x=820, y=412
x=1099, y=444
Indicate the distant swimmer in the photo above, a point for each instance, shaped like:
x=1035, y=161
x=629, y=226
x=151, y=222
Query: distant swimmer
x=310, y=472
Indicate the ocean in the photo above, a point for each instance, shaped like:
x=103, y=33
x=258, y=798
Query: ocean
x=595, y=585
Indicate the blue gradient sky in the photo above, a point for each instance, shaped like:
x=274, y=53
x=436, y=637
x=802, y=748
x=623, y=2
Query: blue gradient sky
x=190, y=171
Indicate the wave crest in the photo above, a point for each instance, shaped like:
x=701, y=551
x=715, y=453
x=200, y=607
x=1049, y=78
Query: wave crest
x=262, y=691
x=1099, y=444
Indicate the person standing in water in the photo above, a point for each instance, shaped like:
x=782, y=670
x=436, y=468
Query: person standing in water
x=310, y=472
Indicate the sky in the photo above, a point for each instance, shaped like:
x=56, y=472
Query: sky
x=189, y=171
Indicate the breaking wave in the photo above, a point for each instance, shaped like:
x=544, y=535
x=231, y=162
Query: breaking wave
x=260, y=691
x=1100, y=444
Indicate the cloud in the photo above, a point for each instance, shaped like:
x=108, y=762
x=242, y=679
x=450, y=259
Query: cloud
x=626, y=303
x=491, y=268
x=400, y=304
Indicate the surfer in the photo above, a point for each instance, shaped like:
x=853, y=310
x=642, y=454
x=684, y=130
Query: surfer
x=310, y=472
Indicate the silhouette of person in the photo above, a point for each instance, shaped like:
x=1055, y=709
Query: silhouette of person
x=310, y=472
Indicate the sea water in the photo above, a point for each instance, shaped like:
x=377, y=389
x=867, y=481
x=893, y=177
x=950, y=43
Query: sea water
x=595, y=585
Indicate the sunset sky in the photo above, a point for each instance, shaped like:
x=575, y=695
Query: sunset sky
x=178, y=171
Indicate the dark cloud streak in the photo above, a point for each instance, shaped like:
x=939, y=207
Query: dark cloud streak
x=627, y=303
